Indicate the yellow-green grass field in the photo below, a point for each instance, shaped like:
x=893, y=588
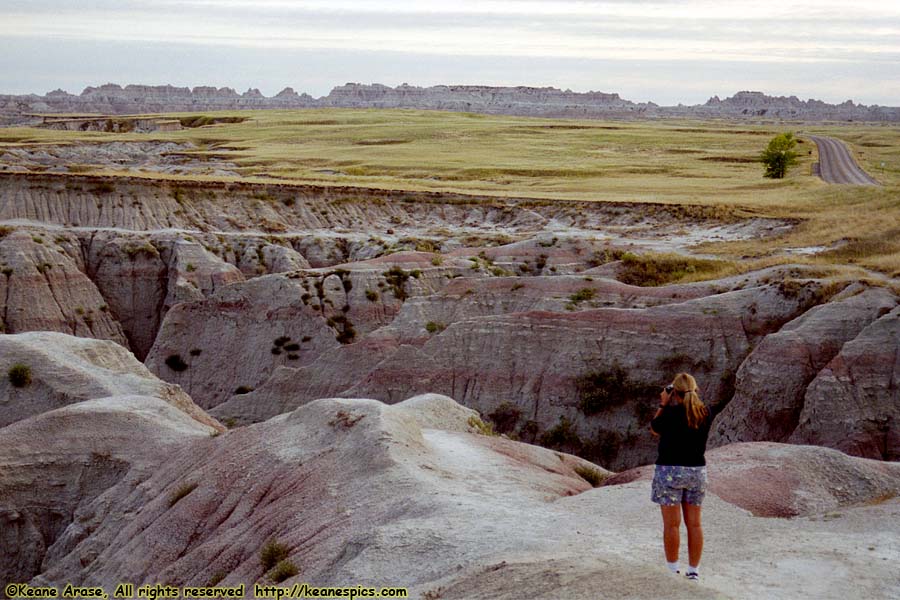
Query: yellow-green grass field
x=672, y=162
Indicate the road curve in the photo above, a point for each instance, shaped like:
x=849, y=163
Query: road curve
x=836, y=165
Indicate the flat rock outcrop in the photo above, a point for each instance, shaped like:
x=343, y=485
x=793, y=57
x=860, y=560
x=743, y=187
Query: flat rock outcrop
x=65, y=370
x=771, y=385
x=853, y=404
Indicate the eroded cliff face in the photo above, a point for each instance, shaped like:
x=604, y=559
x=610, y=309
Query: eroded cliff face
x=518, y=100
x=257, y=299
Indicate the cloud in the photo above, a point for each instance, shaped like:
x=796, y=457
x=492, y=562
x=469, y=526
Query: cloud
x=692, y=35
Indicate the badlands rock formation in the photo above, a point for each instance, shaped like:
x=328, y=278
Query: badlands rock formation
x=67, y=370
x=257, y=299
x=520, y=100
x=359, y=492
x=771, y=385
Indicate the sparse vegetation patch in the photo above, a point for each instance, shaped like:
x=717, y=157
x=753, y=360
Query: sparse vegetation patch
x=19, y=375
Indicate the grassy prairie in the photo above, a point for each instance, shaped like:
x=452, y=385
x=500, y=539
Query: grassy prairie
x=674, y=162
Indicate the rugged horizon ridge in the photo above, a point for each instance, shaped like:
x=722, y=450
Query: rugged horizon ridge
x=519, y=100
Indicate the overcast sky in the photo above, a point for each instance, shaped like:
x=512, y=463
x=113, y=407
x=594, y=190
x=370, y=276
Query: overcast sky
x=667, y=51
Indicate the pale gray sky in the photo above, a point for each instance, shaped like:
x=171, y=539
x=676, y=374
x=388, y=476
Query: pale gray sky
x=668, y=51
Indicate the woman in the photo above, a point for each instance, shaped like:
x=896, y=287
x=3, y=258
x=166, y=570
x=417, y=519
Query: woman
x=679, y=481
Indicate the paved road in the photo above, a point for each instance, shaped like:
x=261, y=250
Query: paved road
x=836, y=165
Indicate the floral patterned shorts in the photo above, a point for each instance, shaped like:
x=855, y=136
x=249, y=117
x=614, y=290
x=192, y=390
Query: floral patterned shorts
x=673, y=484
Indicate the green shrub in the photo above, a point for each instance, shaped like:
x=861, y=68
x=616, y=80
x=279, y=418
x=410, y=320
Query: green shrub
x=660, y=269
x=182, y=491
x=20, y=375
x=281, y=341
x=397, y=278
x=603, y=390
x=505, y=417
x=779, y=155
x=272, y=553
x=371, y=296
x=563, y=436
x=242, y=389
x=285, y=569
x=292, y=347
x=433, y=327
x=195, y=352
x=176, y=363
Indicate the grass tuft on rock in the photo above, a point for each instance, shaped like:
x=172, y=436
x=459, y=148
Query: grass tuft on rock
x=272, y=553
x=285, y=569
x=182, y=491
x=590, y=474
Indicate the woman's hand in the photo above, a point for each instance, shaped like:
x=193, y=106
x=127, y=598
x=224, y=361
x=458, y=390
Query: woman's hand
x=664, y=398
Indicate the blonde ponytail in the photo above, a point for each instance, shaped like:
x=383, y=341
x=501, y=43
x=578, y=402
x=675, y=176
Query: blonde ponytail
x=694, y=409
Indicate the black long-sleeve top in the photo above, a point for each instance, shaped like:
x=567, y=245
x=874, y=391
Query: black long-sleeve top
x=679, y=444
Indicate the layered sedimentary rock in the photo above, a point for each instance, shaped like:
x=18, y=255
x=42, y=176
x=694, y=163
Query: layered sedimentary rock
x=771, y=385
x=56, y=462
x=42, y=288
x=853, y=404
x=286, y=320
x=518, y=100
x=544, y=368
x=352, y=490
x=62, y=370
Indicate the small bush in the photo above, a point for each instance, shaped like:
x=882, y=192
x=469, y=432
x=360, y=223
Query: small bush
x=182, y=491
x=216, y=579
x=437, y=260
x=195, y=352
x=590, y=474
x=660, y=269
x=433, y=327
x=293, y=356
x=176, y=363
x=285, y=569
x=306, y=338
x=505, y=417
x=272, y=553
x=371, y=295
x=242, y=389
x=562, y=437
x=20, y=375
x=281, y=341
x=276, y=350
x=604, y=390
x=582, y=295
x=292, y=347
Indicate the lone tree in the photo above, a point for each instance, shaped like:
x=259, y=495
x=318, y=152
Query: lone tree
x=779, y=155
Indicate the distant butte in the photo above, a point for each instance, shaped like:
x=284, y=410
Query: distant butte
x=519, y=100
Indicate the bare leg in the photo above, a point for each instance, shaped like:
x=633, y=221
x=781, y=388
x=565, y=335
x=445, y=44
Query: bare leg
x=694, y=532
x=671, y=516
